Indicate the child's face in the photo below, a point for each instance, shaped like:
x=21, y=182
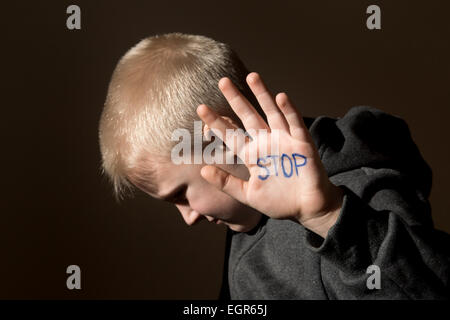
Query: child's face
x=197, y=200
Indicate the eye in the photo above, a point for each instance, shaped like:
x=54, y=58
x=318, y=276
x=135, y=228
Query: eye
x=180, y=196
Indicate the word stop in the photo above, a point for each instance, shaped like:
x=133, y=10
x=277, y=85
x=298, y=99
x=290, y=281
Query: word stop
x=288, y=164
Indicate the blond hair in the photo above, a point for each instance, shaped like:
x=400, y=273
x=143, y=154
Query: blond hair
x=155, y=88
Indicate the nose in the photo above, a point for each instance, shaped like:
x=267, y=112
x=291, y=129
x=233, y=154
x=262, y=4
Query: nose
x=189, y=215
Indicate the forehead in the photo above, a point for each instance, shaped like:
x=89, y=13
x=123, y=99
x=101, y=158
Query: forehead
x=166, y=175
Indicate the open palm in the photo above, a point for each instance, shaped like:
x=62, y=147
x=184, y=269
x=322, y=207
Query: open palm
x=290, y=184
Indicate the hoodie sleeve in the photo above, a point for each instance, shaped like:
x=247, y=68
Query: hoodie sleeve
x=385, y=220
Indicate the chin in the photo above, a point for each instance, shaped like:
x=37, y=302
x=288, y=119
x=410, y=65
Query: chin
x=243, y=227
x=239, y=228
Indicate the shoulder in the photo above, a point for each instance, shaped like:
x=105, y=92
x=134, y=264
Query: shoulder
x=369, y=137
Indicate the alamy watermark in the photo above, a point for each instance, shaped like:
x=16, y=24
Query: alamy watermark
x=374, y=280
x=74, y=280
x=264, y=143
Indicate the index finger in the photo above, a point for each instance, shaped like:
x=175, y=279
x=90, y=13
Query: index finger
x=216, y=123
x=250, y=118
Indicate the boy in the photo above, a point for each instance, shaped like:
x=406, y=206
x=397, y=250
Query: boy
x=356, y=200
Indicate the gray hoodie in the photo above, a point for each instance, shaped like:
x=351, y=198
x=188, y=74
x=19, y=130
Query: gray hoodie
x=385, y=223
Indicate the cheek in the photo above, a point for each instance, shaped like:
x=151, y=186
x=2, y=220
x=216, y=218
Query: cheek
x=210, y=201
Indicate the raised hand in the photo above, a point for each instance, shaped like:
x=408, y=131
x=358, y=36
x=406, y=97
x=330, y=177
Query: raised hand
x=291, y=184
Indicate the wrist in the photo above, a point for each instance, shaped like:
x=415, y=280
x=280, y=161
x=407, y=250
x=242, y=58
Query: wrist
x=322, y=222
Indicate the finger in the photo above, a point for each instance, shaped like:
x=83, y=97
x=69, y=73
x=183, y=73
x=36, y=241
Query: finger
x=241, y=106
x=275, y=118
x=220, y=126
x=293, y=117
x=222, y=180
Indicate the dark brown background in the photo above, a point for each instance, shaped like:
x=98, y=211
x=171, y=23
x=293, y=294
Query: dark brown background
x=56, y=210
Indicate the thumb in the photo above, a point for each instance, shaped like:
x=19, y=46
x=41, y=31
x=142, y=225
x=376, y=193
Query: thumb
x=226, y=182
